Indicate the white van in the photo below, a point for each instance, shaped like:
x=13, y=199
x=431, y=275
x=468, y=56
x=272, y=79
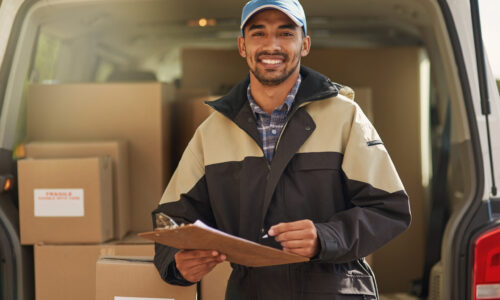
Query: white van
x=418, y=69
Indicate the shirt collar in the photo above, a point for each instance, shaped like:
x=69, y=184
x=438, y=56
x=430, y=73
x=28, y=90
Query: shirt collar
x=287, y=104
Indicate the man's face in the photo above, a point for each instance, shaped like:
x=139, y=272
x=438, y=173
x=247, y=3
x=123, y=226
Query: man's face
x=273, y=46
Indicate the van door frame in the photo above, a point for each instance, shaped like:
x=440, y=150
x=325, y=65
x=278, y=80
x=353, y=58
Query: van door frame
x=477, y=215
x=18, y=259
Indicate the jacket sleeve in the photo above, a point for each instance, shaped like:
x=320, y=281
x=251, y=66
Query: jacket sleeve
x=379, y=204
x=185, y=200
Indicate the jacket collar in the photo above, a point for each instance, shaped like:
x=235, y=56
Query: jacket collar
x=314, y=86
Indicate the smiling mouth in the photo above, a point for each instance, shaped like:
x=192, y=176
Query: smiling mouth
x=271, y=61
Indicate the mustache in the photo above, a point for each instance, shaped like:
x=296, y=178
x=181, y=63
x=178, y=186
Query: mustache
x=267, y=53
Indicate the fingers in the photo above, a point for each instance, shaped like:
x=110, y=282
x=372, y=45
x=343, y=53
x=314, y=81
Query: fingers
x=298, y=244
x=196, y=273
x=304, y=234
x=299, y=237
x=299, y=230
x=194, y=264
x=307, y=248
x=307, y=252
x=290, y=226
x=196, y=254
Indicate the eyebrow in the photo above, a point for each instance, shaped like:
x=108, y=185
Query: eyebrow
x=288, y=26
x=259, y=26
x=255, y=26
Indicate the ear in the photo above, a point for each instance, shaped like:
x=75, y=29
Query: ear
x=241, y=47
x=306, y=46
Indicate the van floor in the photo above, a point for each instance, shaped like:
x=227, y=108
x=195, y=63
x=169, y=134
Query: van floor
x=398, y=296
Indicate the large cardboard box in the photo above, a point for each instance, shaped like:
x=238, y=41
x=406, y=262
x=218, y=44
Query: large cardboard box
x=65, y=272
x=65, y=200
x=135, y=112
x=117, y=150
x=135, y=278
x=394, y=75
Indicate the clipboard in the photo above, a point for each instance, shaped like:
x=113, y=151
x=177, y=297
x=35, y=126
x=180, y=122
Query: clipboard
x=198, y=236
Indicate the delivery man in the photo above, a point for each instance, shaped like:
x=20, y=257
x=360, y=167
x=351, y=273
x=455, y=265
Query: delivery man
x=286, y=160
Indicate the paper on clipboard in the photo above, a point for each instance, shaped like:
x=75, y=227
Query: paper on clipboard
x=237, y=250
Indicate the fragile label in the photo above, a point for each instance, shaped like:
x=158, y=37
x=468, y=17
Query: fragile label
x=135, y=298
x=59, y=203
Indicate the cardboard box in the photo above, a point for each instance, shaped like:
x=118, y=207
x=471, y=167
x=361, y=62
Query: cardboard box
x=190, y=112
x=363, y=96
x=65, y=272
x=135, y=112
x=65, y=200
x=394, y=76
x=135, y=278
x=117, y=150
x=214, y=284
x=216, y=70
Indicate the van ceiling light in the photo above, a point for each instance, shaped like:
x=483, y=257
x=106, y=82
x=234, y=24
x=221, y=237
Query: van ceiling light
x=202, y=22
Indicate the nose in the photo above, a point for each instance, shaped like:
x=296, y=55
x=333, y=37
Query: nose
x=271, y=43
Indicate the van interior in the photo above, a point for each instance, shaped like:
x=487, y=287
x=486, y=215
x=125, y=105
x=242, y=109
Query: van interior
x=395, y=55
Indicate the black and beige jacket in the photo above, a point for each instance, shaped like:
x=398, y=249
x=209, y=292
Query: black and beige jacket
x=329, y=166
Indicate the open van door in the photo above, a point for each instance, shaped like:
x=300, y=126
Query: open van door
x=16, y=261
x=471, y=246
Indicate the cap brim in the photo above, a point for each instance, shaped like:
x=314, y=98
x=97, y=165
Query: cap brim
x=294, y=19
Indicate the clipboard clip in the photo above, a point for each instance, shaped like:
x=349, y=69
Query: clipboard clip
x=165, y=222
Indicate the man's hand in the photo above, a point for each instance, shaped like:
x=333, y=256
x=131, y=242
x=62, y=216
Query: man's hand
x=194, y=264
x=299, y=237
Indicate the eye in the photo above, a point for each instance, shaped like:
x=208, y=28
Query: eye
x=287, y=34
x=257, y=33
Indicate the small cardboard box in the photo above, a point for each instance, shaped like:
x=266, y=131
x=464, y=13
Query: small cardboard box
x=65, y=272
x=117, y=150
x=65, y=200
x=135, y=278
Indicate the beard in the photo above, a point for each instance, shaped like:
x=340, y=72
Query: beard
x=270, y=78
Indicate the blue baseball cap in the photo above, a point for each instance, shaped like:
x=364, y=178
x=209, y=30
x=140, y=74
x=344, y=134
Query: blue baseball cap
x=291, y=8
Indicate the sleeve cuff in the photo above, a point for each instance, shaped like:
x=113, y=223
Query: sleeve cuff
x=329, y=246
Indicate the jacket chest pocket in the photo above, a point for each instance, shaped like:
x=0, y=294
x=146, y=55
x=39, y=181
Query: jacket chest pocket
x=314, y=183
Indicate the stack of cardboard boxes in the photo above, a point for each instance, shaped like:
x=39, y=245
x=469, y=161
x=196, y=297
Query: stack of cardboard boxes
x=96, y=166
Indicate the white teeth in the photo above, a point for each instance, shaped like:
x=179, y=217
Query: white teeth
x=271, y=61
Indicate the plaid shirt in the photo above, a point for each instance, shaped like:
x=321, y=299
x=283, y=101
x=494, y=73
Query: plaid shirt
x=270, y=126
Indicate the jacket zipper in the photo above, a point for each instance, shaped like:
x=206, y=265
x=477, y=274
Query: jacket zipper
x=281, y=133
x=286, y=123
